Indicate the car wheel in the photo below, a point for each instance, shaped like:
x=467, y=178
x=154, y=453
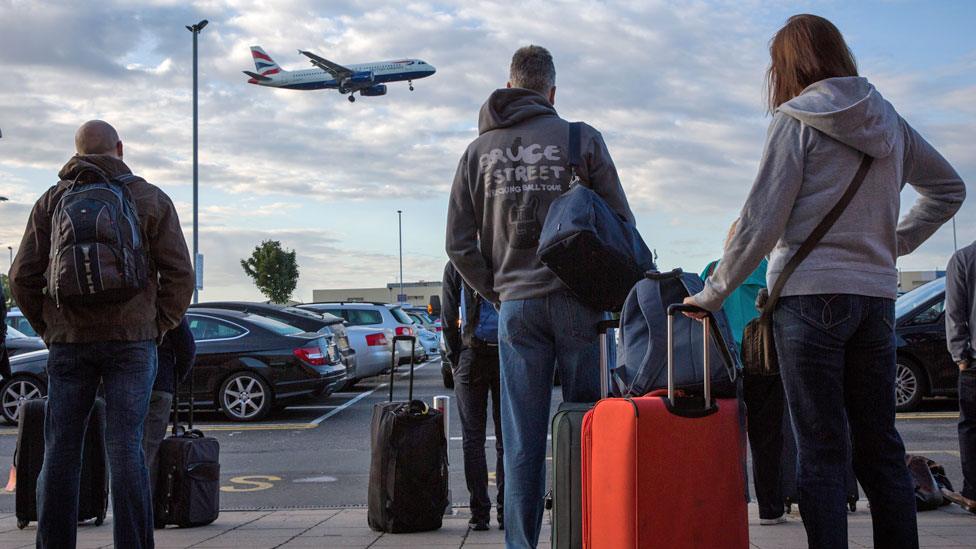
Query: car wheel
x=15, y=392
x=910, y=385
x=244, y=396
x=448, y=376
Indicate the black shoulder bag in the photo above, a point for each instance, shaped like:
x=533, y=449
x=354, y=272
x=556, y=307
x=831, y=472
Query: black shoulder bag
x=758, y=347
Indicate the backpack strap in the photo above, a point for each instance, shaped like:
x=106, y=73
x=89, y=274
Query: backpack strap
x=126, y=178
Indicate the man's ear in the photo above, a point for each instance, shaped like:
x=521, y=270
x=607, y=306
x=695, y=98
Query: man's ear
x=118, y=150
x=508, y=84
x=552, y=95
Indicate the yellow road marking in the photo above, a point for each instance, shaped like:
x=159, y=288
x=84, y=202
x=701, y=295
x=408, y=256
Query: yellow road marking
x=251, y=483
x=928, y=415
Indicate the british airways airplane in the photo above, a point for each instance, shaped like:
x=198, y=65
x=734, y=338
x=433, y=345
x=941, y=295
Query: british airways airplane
x=368, y=79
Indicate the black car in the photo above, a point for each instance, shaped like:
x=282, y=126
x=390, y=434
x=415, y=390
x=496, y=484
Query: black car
x=326, y=324
x=246, y=365
x=924, y=366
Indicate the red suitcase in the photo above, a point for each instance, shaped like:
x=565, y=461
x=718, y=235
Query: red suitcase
x=665, y=470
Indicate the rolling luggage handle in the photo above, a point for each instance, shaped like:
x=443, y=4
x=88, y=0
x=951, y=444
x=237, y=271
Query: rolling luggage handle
x=413, y=346
x=178, y=430
x=708, y=333
x=604, y=327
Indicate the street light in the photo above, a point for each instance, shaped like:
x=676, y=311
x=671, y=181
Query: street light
x=195, y=29
x=401, y=297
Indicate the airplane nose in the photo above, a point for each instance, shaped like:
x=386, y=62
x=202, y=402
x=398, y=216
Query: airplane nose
x=432, y=69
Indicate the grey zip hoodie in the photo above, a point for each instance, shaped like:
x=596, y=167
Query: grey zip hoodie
x=960, y=304
x=504, y=184
x=813, y=148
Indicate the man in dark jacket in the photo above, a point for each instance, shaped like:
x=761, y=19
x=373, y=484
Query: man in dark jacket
x=960, y=308
x=175, y=358
x=472, y=347
x=4, y=358
x=504, y=185
x=103, y=342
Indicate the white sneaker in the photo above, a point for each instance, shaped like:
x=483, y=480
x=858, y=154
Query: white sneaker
x=773, y=521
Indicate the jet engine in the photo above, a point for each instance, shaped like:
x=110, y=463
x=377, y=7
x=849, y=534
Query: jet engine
x=373, y=91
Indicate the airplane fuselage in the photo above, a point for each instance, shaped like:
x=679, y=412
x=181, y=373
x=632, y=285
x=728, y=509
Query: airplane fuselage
x=382, y=72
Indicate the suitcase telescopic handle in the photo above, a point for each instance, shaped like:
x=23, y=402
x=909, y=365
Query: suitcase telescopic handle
x=604, y=327
x=413, y=346
x=706, y=336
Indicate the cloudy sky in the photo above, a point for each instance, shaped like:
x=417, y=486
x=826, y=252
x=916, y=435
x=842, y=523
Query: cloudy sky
x=675, y=87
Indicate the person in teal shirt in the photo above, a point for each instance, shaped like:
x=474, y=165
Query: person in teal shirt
x=764, y=399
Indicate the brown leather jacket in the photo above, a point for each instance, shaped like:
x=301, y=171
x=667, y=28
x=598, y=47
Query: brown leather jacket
x=147, y=315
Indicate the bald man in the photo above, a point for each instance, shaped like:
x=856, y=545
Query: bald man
x=102, y=341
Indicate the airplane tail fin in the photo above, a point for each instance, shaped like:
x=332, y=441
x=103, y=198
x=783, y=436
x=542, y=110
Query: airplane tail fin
x=263, y=63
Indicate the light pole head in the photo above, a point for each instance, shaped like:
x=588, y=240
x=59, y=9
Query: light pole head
x=198, y=27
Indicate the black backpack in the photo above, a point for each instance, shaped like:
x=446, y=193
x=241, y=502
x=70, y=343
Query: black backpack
x=98, y=253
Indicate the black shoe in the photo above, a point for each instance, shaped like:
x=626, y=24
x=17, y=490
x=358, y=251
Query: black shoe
x=501, y=519
x=478, y=525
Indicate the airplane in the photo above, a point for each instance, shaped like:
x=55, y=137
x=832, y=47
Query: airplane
x=369, y=79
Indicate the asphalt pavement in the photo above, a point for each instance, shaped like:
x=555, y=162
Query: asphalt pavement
x=316, y=455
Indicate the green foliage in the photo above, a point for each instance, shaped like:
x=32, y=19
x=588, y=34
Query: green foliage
x=5, y=284
x=274, y=270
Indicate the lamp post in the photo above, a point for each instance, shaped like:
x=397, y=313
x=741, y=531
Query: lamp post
x=955, y=245
x=400, y=298
x=195, y=29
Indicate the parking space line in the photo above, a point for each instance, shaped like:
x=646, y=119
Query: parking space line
x=314, y=407
x=361, y=396
x=928, y=415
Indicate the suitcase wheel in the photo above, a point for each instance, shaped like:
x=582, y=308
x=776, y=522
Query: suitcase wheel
x=22, y=523
x=99, y=520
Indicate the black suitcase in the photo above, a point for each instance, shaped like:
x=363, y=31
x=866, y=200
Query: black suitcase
x=93, y=493
x=188, y=488
x=566, y=497
x=408, y=478
x=791, y=494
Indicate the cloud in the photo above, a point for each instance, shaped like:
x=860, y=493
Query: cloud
x=676, y=90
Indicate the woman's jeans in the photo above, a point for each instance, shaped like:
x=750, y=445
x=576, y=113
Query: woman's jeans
x=837, y=359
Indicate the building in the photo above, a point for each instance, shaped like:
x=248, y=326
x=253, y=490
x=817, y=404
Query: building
x=909, y=280
x=416, y=293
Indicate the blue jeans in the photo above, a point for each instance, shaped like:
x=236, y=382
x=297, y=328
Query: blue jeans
x=536, y=335
x=967, y=429
x=75, y=370
x=837, y=359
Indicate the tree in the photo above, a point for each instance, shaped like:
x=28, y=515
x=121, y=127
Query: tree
x=5, y=284
x=274, y=270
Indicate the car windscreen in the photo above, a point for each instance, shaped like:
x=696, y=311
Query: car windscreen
x=917, y=297
x=400, y=316
x=14, y=333
x=273, y=325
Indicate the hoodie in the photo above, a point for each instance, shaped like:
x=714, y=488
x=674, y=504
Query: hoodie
x=148, y=314
x=504, y=184
x=960, y=304
x=740, y=306
x=813, y=149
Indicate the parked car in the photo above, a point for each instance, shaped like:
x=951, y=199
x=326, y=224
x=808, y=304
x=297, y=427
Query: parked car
x=17, y=320
x=373, y=351
x=924, y=366
x=29, y=380
x=18, y=343
x=428, y=340
x=246, y=365
x=380, y=316
x=329, y=326
x=420, y=316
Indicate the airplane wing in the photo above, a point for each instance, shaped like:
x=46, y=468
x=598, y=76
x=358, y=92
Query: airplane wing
x=335, y=69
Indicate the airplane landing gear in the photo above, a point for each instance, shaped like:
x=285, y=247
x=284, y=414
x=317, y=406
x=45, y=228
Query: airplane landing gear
x=352, y=98
x=410, y=83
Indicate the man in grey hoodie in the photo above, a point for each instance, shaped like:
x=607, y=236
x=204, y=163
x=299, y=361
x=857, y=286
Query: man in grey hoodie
x=960, y=309
x=834, y=322
x=505, y=182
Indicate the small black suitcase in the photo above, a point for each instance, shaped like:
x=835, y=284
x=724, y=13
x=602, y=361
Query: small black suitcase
x=408, y=478
x=791, y=493
x=566, y=498
x=188, y=488
x=93, y=492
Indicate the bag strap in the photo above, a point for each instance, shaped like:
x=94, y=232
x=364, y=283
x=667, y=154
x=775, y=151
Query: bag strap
x=815, y=237
x=575, y=153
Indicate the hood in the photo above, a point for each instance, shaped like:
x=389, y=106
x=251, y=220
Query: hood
x=510, y=106
x=850, y=110
x=107, y=165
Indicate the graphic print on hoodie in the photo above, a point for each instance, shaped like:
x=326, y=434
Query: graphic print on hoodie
x=504, y=185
